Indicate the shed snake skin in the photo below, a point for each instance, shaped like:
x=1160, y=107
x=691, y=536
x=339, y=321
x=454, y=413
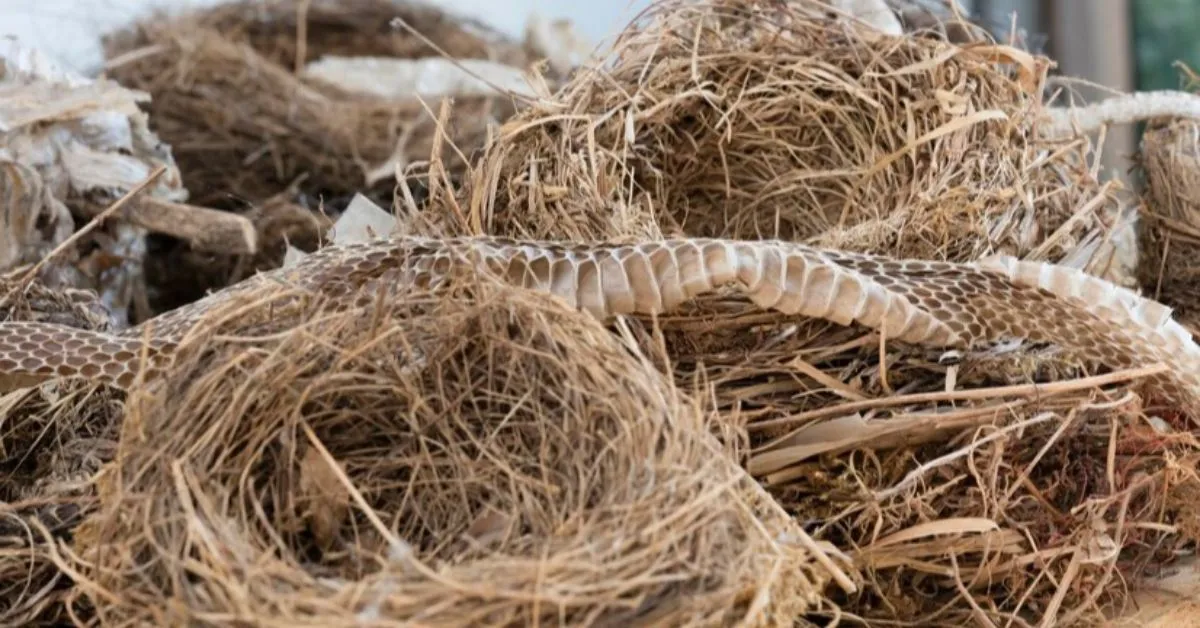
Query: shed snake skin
x=939, y=304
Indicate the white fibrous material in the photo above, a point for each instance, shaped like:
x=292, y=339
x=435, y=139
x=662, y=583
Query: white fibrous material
x=557, y=42
x=430, y=77
x=873, y=12
x=68, y=141
x=361, y=221
x=1067, y=122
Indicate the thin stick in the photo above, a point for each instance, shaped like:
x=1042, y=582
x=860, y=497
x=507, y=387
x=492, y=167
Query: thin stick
x=1023, y=390
x=301, y=35
x=205, y=229
x=398, y=21
x=96, y=221
x=916, y=474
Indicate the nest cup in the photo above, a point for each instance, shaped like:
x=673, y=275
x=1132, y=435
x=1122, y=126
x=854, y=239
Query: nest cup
x=498, y=459
x=242, y=125
x=750, y=119
x=252, y=134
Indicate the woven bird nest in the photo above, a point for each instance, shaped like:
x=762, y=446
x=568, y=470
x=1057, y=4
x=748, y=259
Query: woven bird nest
x=1170, y=268
x=243, y=124
x=253, y=134
x=753, y=119
x=480, y=456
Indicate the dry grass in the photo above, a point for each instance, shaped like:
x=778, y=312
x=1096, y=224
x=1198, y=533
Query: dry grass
x=1001, y=510
x=966, y=488
x=53, y=440
x=250, y=135
x=1170, y=269
x=748, y=119
x=500, y=459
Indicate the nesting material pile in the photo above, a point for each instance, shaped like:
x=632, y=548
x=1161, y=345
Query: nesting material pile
x=483, y=455
x=1009, y=483
x=1170, y=269
x=239, y=93
x=497, y=459
x=228, y=95
x=754, y=120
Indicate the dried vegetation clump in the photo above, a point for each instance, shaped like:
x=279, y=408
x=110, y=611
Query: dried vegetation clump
x=481, y=454
x=1010, y=483
x=760, y=120
x=229, y=97
x=1170, y=243
x=253, y=135
x=475, y=456
x=1030, y=511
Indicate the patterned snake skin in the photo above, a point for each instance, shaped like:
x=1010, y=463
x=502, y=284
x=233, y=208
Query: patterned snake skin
x=924, y=303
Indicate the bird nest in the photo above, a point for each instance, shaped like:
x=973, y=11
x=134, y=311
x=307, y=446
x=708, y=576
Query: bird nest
x=484, y=455
x=749, y=119
x=1170, y=243
x=253, y=134
x=229, y=95
x=475, y=456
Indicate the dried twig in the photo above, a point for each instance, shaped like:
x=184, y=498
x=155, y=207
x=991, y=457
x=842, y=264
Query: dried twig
x=205, y=229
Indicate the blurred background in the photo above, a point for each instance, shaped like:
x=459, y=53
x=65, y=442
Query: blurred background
x=69, y=29
x=1115, y=44
x=1118, y=44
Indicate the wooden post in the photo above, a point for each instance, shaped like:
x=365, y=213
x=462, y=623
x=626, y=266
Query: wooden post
x=1093, y=41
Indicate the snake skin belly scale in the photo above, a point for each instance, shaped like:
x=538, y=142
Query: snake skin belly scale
x=919, y=302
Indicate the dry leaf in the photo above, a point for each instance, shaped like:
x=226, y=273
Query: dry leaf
x=327, y=498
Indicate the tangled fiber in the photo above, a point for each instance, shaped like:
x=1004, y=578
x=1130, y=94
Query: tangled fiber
x=1009, y=513
x=53, y=440
x=252, y=135
x=483, y=456
x=1170, y=242
x=241, y=122
x=759, y=119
